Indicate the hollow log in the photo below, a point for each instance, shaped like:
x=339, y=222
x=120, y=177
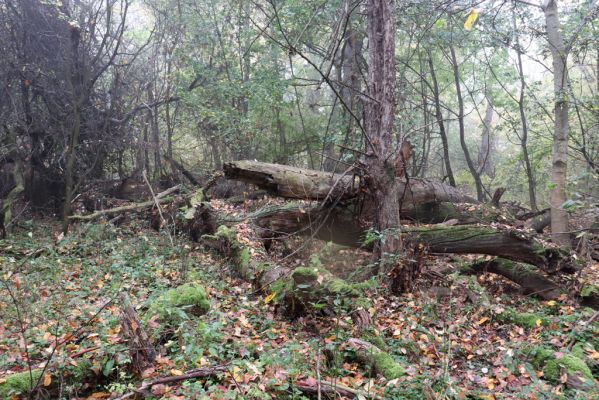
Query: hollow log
x=298, y=183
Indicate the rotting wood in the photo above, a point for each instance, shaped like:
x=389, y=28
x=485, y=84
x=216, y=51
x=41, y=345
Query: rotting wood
x=141, y=350
x=298, y=183
x=162, y=197
x=531, y=281
x=339, y=225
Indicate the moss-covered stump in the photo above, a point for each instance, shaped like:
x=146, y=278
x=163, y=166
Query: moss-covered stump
x=18, y=384
x=314, y=288
x=524, y=320
x=224, y=240
x=376, y=359
x=179, y=304
x=555, y=365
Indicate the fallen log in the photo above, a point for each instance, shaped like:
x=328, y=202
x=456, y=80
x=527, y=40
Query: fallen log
x=339, y=225
x=531, y=281
x=162, y=197
x=298, y=183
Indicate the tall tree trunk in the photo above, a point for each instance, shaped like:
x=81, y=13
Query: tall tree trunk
x=532, y=197
x=473, y=171
x=559, y=216
x=379, y=123
x=76, y=84
x=440, y=122
x=153, y=115
x=487, y=146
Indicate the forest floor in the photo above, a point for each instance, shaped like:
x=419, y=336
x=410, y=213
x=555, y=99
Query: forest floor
x=60, y=324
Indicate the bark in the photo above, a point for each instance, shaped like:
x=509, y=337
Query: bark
x=76, y=88
x=473, y=171
x=131, y=207
x=297, y=183
x=141, y=350
x=523, y=120
x=540, y=222
x=531, y=281
x=487, y=146
x=559, y=216
x=340, y=226
x=440, y=122
x=379, y=117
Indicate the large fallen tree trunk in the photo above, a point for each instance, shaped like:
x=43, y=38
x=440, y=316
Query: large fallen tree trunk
x=339, y=225
x=531, y=281
x=298, y=183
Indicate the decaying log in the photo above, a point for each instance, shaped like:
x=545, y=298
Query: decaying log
x=541, y=221
x=339, y=225
x=531, y=281
x=162, y=196
x=298, y=183
x=378, y=360
x=141, y=350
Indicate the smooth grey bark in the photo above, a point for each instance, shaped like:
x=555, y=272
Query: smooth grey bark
x=559, y=216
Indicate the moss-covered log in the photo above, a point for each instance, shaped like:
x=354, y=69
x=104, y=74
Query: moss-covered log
x=339, y=225
x=556, y=365
x=531, y=281
x=298, y=183
x=379, y=361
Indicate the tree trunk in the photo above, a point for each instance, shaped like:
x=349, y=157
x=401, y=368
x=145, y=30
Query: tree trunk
x=473, y=171
x=75, y=83
x=532, y=198
x=298, y=183
x=379, y=123
x=487, y=147
x=559, y=216
x=340, y=225
x=440, y=122
x=531, y=281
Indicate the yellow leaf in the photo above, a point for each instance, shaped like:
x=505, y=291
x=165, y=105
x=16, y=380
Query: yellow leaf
x=483, y=320
x=269, y=298
x=551, y=303
x=538, y=322
x=472, y=17
x=47, y=379
x=2, y=380
x=176, y=372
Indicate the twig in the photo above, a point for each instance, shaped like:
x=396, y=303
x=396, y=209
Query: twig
x=192, y=374
x=318, y=387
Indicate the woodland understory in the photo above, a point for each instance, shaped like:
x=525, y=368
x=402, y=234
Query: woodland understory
x=289, y=199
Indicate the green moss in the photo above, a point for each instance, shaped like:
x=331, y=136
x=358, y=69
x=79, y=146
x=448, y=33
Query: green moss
x=305, y=275
x=227, y=233
x=18, y=383
x=244, y=263
x=385, y=365
x=525, y=320
x=371, y=336
x=589, y=290
x=177, y=304
x=551, y=365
